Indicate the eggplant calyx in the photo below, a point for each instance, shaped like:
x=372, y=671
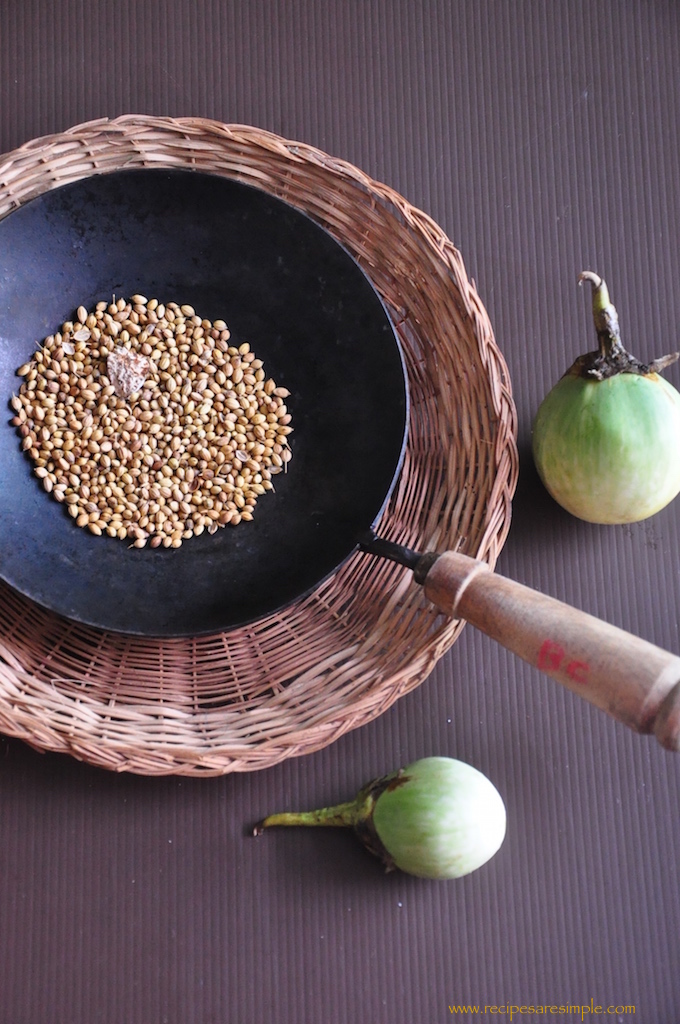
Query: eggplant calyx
x=365, y=828
x=611, y=357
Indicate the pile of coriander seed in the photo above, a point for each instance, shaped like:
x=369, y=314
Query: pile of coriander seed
x=149, y=425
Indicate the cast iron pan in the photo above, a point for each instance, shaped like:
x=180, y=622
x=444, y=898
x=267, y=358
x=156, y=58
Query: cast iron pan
x=308, y=311
x=302, y=302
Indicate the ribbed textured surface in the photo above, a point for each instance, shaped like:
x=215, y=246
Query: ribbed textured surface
x=543, y=138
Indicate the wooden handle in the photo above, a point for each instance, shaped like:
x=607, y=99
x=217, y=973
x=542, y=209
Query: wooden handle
x=634, y=681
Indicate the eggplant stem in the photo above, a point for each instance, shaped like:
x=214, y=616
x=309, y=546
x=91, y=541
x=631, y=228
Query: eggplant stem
x=345, y=815
x=356, y=814
x=611, y=357
x=605, y=316
x=600, y=290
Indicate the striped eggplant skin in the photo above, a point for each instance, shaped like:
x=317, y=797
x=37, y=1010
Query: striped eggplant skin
x=442, y=819
x=608, y=451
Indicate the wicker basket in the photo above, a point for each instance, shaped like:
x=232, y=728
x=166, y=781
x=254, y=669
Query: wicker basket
x=296, y=681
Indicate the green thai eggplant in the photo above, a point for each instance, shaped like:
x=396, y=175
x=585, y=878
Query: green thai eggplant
x=437, y=818
x=606, y=438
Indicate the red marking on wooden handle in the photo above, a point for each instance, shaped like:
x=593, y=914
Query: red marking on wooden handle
x=552, y=656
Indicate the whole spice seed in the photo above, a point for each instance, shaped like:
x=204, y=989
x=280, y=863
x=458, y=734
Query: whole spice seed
x=148, y=425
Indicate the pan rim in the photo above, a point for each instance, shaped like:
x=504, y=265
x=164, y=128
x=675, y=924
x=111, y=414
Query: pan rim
x=193, y=629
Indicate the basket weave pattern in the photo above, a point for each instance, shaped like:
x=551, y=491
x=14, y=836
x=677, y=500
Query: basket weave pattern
x=295, y=681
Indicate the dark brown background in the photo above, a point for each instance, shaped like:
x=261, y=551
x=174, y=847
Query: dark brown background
x=543, y=137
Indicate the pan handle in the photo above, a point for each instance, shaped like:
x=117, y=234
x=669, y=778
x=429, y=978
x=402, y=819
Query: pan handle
x=634, y=681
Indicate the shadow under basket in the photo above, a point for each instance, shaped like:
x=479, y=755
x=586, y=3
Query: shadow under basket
x=295, y=681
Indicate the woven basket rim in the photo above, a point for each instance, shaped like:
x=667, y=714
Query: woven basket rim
x=73, y=691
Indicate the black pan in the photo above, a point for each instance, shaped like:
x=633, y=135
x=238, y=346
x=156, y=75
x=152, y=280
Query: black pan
x=284, y=285
x=307, y=309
